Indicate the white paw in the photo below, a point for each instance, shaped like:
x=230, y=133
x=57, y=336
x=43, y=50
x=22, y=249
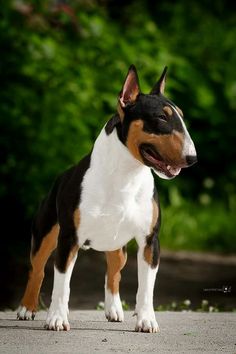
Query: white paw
x=24, y=314
x=57, y=319
x=146, y=321
x=113, y=307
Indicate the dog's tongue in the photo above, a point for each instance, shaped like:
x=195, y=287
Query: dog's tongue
x=167, y=169
x=173, y=170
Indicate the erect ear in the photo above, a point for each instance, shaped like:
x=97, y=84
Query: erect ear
x=159, y=87
x=130, y=88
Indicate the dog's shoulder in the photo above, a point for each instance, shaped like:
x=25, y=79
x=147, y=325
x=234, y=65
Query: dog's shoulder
x=69, y=184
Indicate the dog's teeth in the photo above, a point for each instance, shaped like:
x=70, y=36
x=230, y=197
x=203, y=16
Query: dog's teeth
x=168, y=167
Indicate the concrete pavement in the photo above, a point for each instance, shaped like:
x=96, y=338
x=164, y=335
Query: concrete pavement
x=180, y=332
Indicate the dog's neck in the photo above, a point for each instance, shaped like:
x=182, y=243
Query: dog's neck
x=112, y=157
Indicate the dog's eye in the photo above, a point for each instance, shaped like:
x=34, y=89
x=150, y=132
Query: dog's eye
x=163, y=117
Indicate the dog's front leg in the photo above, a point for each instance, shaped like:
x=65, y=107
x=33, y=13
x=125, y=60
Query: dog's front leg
x=146, y=320
x=57, y=317
x=115, y=262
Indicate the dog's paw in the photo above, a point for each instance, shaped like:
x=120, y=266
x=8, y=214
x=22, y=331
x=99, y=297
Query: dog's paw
x=57, y=320
x=24, y=314
x=113, y=307
x=146, y=322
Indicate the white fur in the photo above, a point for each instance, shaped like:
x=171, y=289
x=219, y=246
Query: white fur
x=116, y=198
x=161, y=174
x=57, y=317
x=24, y=314
x=146, y=320
x=113, y=306
x=188, y=148
x=116, y=206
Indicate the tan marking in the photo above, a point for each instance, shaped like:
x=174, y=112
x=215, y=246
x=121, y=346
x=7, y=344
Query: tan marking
x=36, y=275
x=155, y=214
x=115, y=262
x=135, y=137
x=148, y=254
x=169, y=146
x=148, y=250
x=179, y=111
x=168, y=110
x=76, y=217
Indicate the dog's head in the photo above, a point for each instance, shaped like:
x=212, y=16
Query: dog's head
x=153, y=129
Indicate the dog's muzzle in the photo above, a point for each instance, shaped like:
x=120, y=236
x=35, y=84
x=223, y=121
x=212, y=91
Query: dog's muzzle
x=191, y=160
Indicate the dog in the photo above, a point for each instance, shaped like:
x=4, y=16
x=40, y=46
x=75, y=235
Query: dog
x=109, y=198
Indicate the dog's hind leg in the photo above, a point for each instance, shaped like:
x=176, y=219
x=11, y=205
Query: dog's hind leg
x=115, y=262
x=29, y=301
x=45, y=231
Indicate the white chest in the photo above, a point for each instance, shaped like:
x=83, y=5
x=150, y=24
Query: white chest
x=116, y=198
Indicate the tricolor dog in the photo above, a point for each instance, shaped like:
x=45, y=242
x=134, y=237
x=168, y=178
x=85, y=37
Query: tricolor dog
x=109, y=198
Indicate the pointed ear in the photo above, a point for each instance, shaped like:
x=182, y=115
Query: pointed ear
x=130, y=88
x=159, y=87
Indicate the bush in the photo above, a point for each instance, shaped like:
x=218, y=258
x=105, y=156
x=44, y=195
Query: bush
x=62, y=67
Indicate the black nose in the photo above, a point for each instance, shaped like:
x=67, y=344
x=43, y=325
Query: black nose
x=191, y=159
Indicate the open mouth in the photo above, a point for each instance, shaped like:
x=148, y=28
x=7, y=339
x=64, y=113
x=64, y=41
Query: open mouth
x=153, y=159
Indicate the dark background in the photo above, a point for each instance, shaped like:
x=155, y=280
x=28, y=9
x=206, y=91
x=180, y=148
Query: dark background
x=62, y=66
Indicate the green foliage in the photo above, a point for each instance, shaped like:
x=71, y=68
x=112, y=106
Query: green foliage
x=100, y=306
x=202, y=225
x=125, y=305
x=205, y=224
x=61, y=70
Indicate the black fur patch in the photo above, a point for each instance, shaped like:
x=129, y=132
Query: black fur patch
x=112, y=123
x=45, y=218
x=152, y=240
x=59, y=207
x=148, y=108
x=67, y=201
x=115, y=123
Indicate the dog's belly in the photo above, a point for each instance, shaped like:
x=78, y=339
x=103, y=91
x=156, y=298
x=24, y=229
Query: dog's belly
x=110, y=228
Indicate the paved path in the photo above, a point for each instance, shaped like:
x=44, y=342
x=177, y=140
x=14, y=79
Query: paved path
x=190, y=332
